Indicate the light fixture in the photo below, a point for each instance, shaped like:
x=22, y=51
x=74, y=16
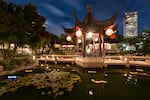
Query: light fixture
x=113, y=36
x=109, y=32
x=79, y=33
x=79, y=40
x=88, y=51
x=68, y=38
x=89, y=35
x=96, y=39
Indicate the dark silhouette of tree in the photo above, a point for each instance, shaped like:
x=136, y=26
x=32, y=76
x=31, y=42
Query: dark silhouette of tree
x=20, y=26
x=146, y=42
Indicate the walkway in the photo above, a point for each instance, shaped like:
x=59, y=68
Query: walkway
x=96, y=61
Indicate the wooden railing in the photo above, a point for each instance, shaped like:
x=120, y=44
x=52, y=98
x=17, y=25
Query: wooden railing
x=56, y=58
x=107, y=60
x=127, y=60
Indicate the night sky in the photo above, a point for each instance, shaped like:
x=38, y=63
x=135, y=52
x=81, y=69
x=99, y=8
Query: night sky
x=59, y=12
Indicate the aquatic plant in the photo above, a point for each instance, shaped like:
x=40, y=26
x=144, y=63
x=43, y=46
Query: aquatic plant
x=54, y=80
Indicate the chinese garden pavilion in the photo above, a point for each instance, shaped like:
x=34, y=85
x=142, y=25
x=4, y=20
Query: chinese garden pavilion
x=90, y=33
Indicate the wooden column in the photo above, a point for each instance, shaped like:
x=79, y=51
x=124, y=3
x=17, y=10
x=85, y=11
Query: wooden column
x=83, y=44
x=100, y=51
x=103, y=46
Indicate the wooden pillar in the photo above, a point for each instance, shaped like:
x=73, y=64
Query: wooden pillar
x=84, y=44
x=93, y=38
x=127, y=62
x=103, y=46
x=99, y=44
x=77, y=46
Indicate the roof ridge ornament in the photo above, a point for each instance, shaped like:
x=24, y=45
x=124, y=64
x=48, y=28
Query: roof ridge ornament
x=89, y=8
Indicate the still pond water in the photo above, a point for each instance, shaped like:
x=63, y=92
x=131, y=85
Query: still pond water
x=79, y=84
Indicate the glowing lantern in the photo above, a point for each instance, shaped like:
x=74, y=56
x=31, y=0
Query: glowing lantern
x=79, y=33
x=113, y=36
x=109, y=32
x=68, y=38
x=79, y=40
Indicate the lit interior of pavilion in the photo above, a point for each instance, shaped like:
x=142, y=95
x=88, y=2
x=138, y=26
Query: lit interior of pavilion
x=90, y=33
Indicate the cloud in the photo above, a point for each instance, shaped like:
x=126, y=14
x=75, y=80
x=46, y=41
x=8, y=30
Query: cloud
x=77, y=4
x=68, y=25
x=53, y=28
x=53, y=10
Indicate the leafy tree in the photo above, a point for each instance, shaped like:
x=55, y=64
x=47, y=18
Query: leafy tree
x=146, y=42
x=62, y=38
x=5, y=23
x=34, y=27
x=132, y=40
x=20, y=26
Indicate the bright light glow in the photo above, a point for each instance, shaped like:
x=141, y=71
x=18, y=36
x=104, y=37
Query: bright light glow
x=12, y=76
x=33, y=57
x=69, y=38
x=46, y=57
x=89, y=35
x=47, y=67
x=79, y=40
x=96, y=39
x=12, y=45
x=88, y=51
x=90, y=92
x=124, y=45
x=120, y=57
x=125, y=59
x=105, y=74
x=109, y=32
x=79, y=33
x=125, y=74
x=108, y=46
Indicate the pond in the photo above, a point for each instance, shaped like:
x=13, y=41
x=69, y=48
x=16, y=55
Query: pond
x=76, y=84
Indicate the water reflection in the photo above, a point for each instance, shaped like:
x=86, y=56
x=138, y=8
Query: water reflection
x=87, y=84
x=120, y=84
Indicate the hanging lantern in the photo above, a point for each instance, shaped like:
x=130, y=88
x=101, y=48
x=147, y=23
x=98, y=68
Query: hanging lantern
x=109, y=32
x=68, y=38
x=79, y=33
x=79, y=40
x=113, y=36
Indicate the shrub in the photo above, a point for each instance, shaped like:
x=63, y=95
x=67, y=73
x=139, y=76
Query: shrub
x=6, y=65
x=9, y=65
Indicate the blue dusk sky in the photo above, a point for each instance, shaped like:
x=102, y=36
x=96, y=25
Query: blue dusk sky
x=59, y=12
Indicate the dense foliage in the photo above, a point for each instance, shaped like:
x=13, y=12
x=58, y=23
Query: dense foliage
x=21, y=25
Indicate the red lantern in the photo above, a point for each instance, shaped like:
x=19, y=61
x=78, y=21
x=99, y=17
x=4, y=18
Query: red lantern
x=109, y=32
x=113, y=36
